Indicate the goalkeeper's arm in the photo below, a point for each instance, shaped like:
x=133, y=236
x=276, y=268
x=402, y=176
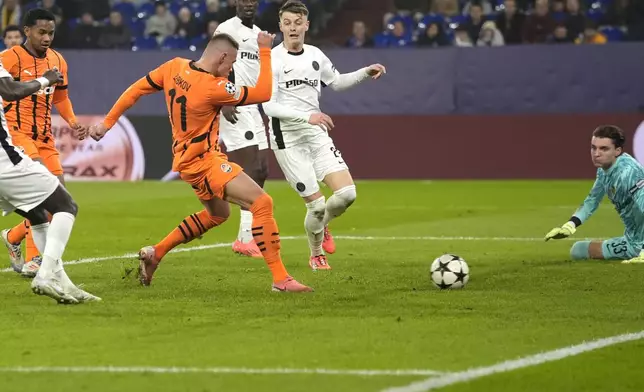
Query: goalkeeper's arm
x=582, y=214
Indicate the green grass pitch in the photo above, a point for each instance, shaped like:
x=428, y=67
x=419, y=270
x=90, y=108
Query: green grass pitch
x=375, y=310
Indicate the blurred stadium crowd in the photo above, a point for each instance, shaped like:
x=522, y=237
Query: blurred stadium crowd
x=186, y=24
x=147, y=24
x=467, y=23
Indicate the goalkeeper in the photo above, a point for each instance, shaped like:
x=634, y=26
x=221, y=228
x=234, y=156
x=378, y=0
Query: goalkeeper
x=621, y=178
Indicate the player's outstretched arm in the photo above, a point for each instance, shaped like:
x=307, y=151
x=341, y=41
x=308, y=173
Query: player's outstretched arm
x=585, y=211
x=348, y=80
x=12, y=90
x=129, y=98
x=149, y=84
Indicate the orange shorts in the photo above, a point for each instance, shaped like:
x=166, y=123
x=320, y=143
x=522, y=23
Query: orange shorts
x=40, y=151
x=209, y=177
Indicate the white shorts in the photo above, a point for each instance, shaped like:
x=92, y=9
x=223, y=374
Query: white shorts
x=248, y=131
x=25, y=186
x=305, y=164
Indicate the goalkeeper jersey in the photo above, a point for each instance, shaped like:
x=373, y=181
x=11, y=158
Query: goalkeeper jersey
x=622, y=183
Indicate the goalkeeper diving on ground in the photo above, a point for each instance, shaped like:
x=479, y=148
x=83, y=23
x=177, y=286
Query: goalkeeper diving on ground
x=621, y=178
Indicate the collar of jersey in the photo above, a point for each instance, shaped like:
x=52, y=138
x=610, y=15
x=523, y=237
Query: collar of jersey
x=33, y=54
x=193, y=66
x=295, y=53
x=241, y=22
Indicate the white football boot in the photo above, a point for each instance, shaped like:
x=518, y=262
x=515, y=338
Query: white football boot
x=52, y=288
x=30, y=268
x=15, y=253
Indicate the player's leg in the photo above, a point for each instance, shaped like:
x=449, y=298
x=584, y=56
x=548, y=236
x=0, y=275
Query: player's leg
x=13, y=237
x=246, y=145
x=331, y=169
x=46, y=284
x=52, y=223
x=618, y=248
x=192, y=226
x=33, y=260
x=51, y=238
x=48, y=156
x=245, y=192
x=250, y=159
x=35, y=192
x=297, y=166
x=585, y=250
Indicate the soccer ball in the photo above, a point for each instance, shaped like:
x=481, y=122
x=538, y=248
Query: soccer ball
x=450, y=272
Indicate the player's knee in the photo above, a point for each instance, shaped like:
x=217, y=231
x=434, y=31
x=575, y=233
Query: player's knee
x=217, y=220
x=67, y=205
x=347, y=195
x=579, y=250
x=73, y=207
x=60, y=201
x=223, y=215
x=316, y=208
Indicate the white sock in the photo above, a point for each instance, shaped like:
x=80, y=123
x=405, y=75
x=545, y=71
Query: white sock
x=60, y=229
x=339, y=202
x=39, y=234
x=245, y=224
x=314, y=226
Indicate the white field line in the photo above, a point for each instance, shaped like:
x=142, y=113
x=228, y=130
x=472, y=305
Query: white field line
x=520, y=363
x=341, y=237
x=218, y=370
x=437, y=379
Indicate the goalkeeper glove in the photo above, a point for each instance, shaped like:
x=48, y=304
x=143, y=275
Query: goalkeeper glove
x=564, y=231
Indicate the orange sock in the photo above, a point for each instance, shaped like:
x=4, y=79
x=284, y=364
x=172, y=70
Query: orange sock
x=192, y=227
x=267, y=236
x=31, y=250
x=18, y=232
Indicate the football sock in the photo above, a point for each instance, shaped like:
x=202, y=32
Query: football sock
x=339, y=202
x=191, y=227
x=31, y=250
x=315, y=211
x=57, y=235
x=18, y=232
x=245, y=224
x=39, y=235
x=579, y=250
x=267, y=236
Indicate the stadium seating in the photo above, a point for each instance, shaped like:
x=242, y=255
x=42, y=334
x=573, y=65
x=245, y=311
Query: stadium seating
x=415, y=24
x=145, y=43
x=175, y=42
